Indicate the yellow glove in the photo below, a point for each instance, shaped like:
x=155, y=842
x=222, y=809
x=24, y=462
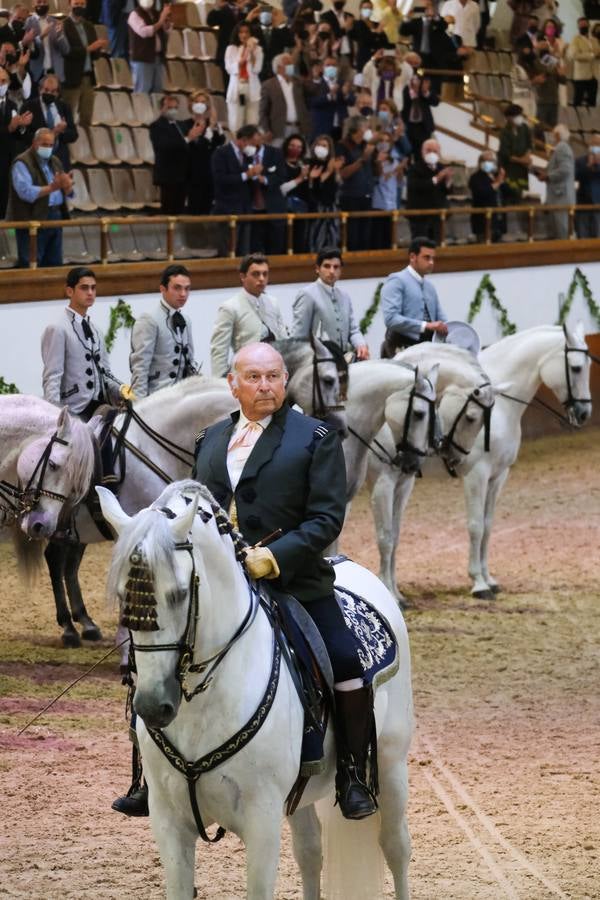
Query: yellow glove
x=260, y=563
x=127, y=393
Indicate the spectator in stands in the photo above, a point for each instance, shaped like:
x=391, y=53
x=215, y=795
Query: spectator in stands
x=148, y=32
x=328, y=99
x=559, y=176
x=325, y=310
x=243, y=62
x=38, y=191
x=341, y=24
x=523, y=11
x=587, y=176
x=385, y=79
x=84, y=47
x=250, y=315
x=584, y=51
x=275, y=36
x=49, y=111
x=368, y=34
x=295, y=185
x=10, y=123
x=358, y=179
x=171, y=145
x=210, y=136
x=50, y=43
x=16, y=64
x=114, y=15
x=465, y=17
x=487, y=189
x=224, y=16
x=282, y=105
x=548, y=73
x=16, y=31
x=268, y=197
x=484, y=9
x=323, y=188
x=428, y=183
x=390, y=170
x=514, y=153
x=429, y=38
x=526, y=44
x=387, y=12
x=234, y=169
x=419, y=97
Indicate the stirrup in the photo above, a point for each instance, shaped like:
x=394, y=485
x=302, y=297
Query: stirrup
x=134, y=803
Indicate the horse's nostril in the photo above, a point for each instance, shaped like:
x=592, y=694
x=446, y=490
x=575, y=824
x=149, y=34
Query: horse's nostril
x=37, y=527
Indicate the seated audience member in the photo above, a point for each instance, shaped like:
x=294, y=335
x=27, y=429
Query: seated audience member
x=243, y=63
x=487, y=189
x=38, y=191
x=49, y=111
x=282, y=106
x=368, y=35
x=587, y=175
x=390, y=171
x=49, y=44
x=419, y=97
x=235, y=172
x=357, y=150
x=328, y=99
x=514, y=153
x=323, y=189
x=171, y=145
x=11, y=122
x=84, y=47
x=16, y=64
x=148, y=32
x=200, y=150
x=428, y=183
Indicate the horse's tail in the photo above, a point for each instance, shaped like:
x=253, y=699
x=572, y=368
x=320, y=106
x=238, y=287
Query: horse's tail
x=353, y=864
x=29, y=555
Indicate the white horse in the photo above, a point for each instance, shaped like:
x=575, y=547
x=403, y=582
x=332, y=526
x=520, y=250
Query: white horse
x=201, y=597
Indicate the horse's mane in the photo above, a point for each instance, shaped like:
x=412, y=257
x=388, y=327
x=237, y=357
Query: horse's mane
x=80, y=460
x=178, y=391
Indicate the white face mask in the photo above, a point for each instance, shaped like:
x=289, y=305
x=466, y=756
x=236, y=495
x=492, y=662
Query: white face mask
x=172, y=112
x=489, y=166
x=249, y=151
x=146, y=4
x=366, y=12
x=321, y=152
x=199, y=108
x=432, y=158
x=3, y=90
x=518, y=120
x=368, y=135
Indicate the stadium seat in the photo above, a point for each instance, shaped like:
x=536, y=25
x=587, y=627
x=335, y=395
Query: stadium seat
x=209, y=43
x=101, y=190
x=143, y=145
x=8, y=248
x=80, y=150
x=151, y=240
x=122, y=246
x=124, y=146
x=214, y=77
x=75, y=249
x=123, y=109
x=175, y=44
x=124, y=189
x=155, y=102
x=192, y=44
x=121, y=74
x=191, y=15
x=102, y=32
x=568, y=116
x=102, y=147
x=145, y=189
x=197, y=74
x=81, y=201
x=177, y=76
x=143, y=110
x=103, y=113
x=103, y=72
x=191, y=242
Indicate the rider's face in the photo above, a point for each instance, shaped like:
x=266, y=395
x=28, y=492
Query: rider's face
x=83, y=295
x=258, y=381
x=330, y=271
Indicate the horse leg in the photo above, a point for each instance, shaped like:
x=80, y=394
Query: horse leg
x=74, y=555
x=177, y=849
x=306, y=842
x=404, y=489
x=494, y=488
x=394, y=837
x=382, y=507
x=55, y=560
x=262, y=837
x=476, y=486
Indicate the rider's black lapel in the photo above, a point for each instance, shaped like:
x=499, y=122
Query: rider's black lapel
x=218, y=460
x=263, y=450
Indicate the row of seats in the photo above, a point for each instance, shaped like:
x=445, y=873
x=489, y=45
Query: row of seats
x=123, y=108
x=112, y=146
x=114, y=74
x=192, y=43
x=490, y=62
x=114, y=189
x=584, y=119
x=499, y=87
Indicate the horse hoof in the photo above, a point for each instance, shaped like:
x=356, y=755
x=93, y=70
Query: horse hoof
x=495, y=588
x=91, y=633
x=483, y=595
x=70, y=638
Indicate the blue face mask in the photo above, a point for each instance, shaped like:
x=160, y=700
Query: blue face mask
x=330, y=73
x=366, y=12
x=595, y=150
x=290, y=69
x=384, y=115
x=265, y=17
x=44, y=152
x=488, y=166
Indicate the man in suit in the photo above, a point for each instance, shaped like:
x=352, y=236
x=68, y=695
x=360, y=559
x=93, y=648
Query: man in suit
x=10, y=124
x=16, y=31
x=328, y=99
x=275, y=468
x=324, y=309
x=49, y=111
x=84, y=47
x=411, y=310
x=268, y=237
x=282, y=105
x=250, y=315
x=50, y=43
x=429, y=38
x=235, y=172
x=559, y=176
x=76, y=370
x=171, y=155
x=162, y=346
x=428, y=184
x=274, y=36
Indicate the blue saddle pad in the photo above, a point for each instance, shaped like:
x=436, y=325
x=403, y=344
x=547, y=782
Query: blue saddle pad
x=375, y=642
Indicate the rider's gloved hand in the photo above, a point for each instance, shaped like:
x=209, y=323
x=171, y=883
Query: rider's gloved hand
x=127, y=393
x=260, y=563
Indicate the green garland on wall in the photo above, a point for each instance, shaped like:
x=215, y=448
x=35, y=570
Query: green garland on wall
x=120, y=317
x=367, y=319
x=487, y=289
x=580, y=280
x=7, y=387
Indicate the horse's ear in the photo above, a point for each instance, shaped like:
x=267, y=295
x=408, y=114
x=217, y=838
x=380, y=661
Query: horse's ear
x=63, y=424
x=502, y=388
x=182, y=525
x=112, y=510
x=580, y=330
x=574, y=336
x=432, y=375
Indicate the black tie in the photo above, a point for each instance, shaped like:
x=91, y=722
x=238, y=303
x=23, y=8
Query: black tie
x=87, y=331
x=178, y=321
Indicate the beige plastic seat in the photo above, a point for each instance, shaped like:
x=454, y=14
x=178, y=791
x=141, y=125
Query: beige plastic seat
x=75, y=249
x=101, y=191
x=192, y=15
x=151, y=240
x=122, y=245
x=103, y=113
x=121, y=74
x=81, y=200
x=214, y=77
x=80, y=150
x=8, y=249
x=143, y=145
x=192, y=44
x=175, y=44
x=155, y=102
x=124, y=146
x=197, y=74
x=123, y=109
x=103, y=72
x=142, y=108
x=177, y=75
x=220, y=107
x=102, y=147
x=145, y=191
x=209, y=43
x=124, y=189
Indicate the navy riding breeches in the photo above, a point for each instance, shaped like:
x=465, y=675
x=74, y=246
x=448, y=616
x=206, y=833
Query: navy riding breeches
x=340, y=642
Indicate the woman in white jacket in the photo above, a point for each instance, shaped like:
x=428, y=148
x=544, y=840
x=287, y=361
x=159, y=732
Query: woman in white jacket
x=243, y=61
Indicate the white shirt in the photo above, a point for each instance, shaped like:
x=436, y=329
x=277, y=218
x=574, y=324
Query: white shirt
x=288, y=94
x=467, y=20
x=235, y=463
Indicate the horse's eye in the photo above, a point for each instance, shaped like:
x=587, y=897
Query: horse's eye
x=576, y=369
x=419, y=413
x=52, y=466
x=329, y=380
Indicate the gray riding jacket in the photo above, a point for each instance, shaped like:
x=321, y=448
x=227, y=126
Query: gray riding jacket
x=160, y=354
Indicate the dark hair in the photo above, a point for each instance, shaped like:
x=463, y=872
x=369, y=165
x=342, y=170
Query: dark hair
x=329, y=253
x=251, y=259
x=172, y=272
x=417, y=244
x=166, y=97
x=246, y=132
x=76, y=274
x=288, y=141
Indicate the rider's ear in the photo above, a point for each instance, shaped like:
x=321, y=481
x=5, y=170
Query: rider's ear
x=111, y=510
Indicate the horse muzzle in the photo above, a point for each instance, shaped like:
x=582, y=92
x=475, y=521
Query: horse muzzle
x=578, y=413
x=159, y=706
x=38, y=526
x=408, y=463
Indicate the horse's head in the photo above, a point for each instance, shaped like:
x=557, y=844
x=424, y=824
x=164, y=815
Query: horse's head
x=412, y=418
x=55, y=472
x=566, y=371
x=463, y=412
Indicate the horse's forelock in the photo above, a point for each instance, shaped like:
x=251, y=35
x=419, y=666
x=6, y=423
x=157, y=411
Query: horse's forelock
x=150, y=530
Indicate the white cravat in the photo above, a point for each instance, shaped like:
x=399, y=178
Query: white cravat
x=241, y=446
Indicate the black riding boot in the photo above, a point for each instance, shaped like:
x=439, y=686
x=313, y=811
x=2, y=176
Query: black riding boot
x=135, y=801
x=354, y=729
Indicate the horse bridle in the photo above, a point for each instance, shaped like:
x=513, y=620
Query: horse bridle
x=571, y=398
x=23, y=500
x=474, y=397
x=319, y=407
x=404, y=445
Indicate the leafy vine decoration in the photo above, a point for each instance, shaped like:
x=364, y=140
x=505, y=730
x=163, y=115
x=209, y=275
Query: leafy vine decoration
x=580, y=280
x=367, y=319
x=7, y=387
x=120, y=317
x=486, y=289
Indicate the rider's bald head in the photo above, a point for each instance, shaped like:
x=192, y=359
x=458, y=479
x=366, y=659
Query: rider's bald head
x=255, y=354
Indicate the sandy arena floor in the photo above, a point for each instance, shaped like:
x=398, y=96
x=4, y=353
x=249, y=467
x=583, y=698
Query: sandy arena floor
x=505, y=786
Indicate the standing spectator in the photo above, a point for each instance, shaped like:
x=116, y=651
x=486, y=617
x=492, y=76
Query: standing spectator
x=323, y=189
x=282, y=106
x=148, y=31
x=526, y=44
x=385, y=79
x=268, y=196
x=234, y=170
x=428, y=185
x=243, y=62
x=584, y=51
x=274, y=35
x=295, y=185
x=587, y=175
x=38, y=190
x=210, y=136
x=388, y=14
x=385, y=193
x=369, y=35
x=328, y=99
x=467, y=20
x=341, y=24
x=484, y=11
x=523, y=10
x=16, y=30
x=114, y=15
x=49, y=111
x=358, y=179
x=429, y=38
x=224, y=16
x=84, y=47
x=548, y=74
x=16, y=64
x=419, y=97
x=559, y=176
x=50, y=44
x=10, y=122
x=487, y=189
x=171, y=147
x=514, y=153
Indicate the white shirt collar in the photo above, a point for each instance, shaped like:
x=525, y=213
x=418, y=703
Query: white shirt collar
x=79, y=319
x=168, y=308
x=415, y=275
x=326, y=287
x=253, y=300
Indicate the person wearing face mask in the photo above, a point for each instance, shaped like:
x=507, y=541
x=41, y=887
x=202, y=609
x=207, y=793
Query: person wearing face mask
x=15, y=31
x=428, y=183
x=235, y=173
x=38, y=191
x=584, y=51
x=323, y=189
x=559, y=176
x=84, y=47
x=171, y=143
x=488, y=189
x=548, y=75
x=243, y=62
x=418, y=99
x=514, y=153
x=523, y=11
x=16, y=64
x=50, y=44
x=467, y=19
x=357, y=151
x=387, y=79
x=328, y=99
x=390, y=170
x=282, y=105
x=587, y=176
x=148, y=31
x=273, y=33
x=199, y=178
x=368, y=35
x=11, y=122
x=49, y=111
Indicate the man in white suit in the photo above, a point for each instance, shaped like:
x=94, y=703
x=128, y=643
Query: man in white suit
x=162, y=347
x=250, y=315
x=325, y=310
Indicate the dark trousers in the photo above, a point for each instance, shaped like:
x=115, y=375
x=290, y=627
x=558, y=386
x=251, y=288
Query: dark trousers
x=359, y=230
x=337, y=637
x=585, y=92
x=49, y=243
x=267, y=237
x=4, y=190
x=425, y=226
x=172, y=199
